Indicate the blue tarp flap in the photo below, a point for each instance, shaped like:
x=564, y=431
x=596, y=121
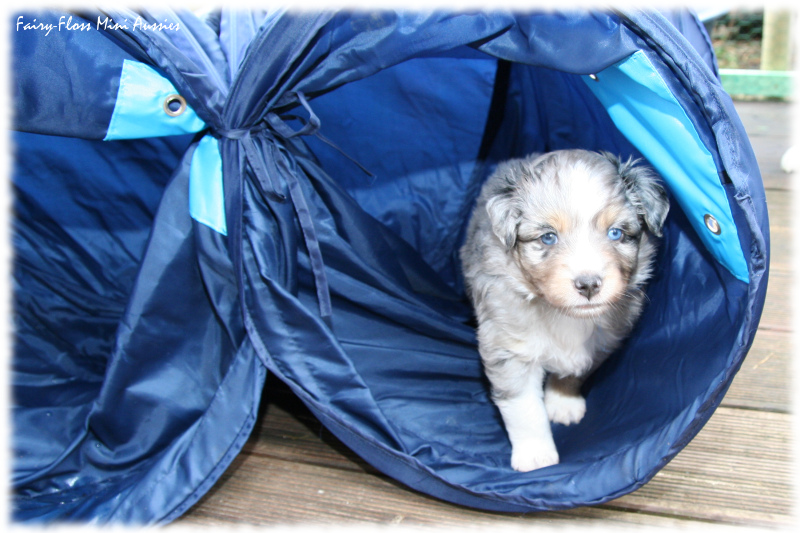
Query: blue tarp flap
x=306, y=223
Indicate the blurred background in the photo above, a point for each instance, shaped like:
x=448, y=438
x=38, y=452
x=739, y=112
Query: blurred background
x=755, y=50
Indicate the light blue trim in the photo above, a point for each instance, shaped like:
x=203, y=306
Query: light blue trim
x=139, y=109
x=648, y=114
x=206, y=194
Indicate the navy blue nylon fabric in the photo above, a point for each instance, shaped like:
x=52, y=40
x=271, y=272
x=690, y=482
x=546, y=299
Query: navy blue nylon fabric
x=144, y=337
x=61, y=84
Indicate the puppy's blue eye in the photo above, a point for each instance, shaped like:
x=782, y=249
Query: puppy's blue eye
x=549, y=239
x=615, y=234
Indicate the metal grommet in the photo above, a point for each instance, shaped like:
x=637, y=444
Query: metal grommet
x=712, y=224
x=594, y=77
x=174, y=105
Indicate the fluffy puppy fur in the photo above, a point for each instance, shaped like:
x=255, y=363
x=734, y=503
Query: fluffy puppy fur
x=557, y=254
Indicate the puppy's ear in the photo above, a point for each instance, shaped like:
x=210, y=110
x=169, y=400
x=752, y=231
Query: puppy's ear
x=504, y=209
x=644, y=191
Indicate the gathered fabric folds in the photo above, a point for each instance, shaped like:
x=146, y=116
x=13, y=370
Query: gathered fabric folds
x=202, y=200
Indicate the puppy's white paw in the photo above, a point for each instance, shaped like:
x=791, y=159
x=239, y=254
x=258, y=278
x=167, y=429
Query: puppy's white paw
x=564, y=409
x=532, y=454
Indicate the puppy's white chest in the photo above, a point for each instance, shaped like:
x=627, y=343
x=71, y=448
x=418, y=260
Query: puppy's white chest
x=563, y=346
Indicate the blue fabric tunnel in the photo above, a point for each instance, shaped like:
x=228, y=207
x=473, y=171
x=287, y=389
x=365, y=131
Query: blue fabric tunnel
x=201, y=201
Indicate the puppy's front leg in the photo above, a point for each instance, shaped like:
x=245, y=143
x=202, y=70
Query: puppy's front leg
x=563, y=400
x=519, y=397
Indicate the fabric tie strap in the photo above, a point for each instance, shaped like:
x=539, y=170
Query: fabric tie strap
x=279, y=162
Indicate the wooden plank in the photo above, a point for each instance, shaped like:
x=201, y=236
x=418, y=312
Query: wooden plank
x=763, y=380
x=779, y=208
x=766, y=119
x=777, y=314
x=769, y=151
x=782, y=235
x=268, y=492
x=293, y=471
x=778, y=306
x=769, y=128
x=736, y=470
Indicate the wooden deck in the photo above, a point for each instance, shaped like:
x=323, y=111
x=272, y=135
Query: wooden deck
x=737, y=471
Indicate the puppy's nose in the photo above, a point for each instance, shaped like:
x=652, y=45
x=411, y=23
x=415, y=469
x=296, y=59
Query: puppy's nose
x=588, y=285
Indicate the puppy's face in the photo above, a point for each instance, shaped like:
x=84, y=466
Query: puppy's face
x=574, y=223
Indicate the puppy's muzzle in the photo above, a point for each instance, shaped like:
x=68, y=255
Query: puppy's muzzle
x=588, y=285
